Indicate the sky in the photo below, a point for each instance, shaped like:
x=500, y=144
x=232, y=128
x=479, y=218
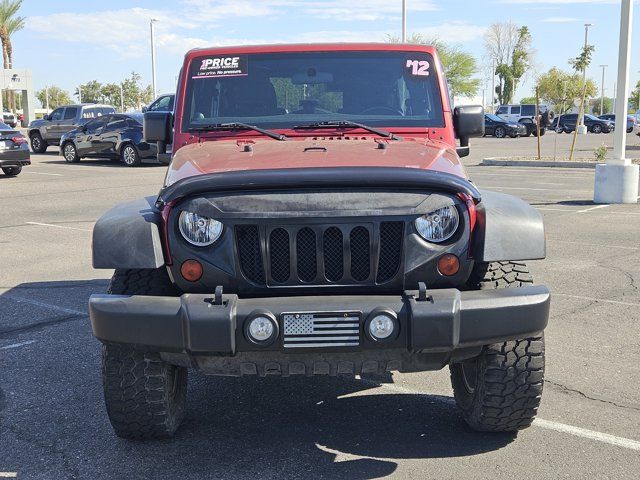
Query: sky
x=68, y=42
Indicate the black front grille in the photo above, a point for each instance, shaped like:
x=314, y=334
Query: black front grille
x=333, y=251
x=391, y=236
x=250, y=256
x=360, y=254
x=279, y=255
x=365, y=254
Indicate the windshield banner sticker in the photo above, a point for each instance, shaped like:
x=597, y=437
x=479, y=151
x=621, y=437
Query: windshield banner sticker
x=419, y=68
x=217, y=67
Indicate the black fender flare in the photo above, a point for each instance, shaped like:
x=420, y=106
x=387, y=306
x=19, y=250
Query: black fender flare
x=128, y=236
x=507, y=228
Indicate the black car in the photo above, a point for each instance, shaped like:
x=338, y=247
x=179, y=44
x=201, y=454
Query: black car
x=631, y=121
x=500, y=128
x=567, y=124
x=14, y=151
x=116, y=136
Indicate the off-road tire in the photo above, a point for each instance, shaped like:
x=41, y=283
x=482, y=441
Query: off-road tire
x=11, y=171
x=500, y=390
x=145, y=396
x=38, y=144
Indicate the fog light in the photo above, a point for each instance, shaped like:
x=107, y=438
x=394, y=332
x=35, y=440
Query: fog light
x=448, y=265
x=261, y=329
x=191, y=270
x=382, y=326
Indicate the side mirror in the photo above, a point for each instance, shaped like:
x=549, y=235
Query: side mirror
x=468, y=122
x=144, y=109
x=158, y=127
x=46, y=117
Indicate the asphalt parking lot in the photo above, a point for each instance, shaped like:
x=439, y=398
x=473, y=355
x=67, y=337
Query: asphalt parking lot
x=52, y=419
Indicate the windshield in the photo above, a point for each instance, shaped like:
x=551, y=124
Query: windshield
x=282, y=90
x=493, y=117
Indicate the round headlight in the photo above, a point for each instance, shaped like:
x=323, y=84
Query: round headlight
x=438, y=225
x=198, y=230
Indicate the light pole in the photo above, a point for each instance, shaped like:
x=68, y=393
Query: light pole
x=404, y=21
x=121, y=98
x=153, y=58
x=617, y=180
x=46, y=95
x=602, y=91
x=581, y=128
x=493, y=85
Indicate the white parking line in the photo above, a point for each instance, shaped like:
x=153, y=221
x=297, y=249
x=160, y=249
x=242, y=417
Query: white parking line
x=58, y=226
x=600, y=300
x=590, y=434
x=538, y=422
x=593, y=208
x=44, y=305
x=8, y=474
x=17, y=345
x=42, y=173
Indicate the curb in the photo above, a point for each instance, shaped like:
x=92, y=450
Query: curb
x=492, y=162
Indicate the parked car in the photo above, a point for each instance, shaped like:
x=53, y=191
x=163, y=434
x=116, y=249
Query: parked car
x=116, y=136
x=49, y=130
x=526, y=113
x=631, y=121
x=500, y=128
x=567, y=124
x=262, y=256
x=14, y=150
x=164, y=103
x=9, y=118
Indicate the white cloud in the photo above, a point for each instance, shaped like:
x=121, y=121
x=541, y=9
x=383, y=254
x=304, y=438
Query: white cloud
x=453, y=32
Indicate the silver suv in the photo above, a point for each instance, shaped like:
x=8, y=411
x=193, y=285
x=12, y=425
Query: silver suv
x=48, y=130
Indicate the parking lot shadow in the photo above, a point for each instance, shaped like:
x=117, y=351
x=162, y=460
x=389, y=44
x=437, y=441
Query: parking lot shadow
x=318, y=427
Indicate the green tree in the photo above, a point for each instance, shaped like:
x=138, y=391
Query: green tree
x=582, y=61
x=90, y=92
x=135, y=95
x=607, y=107
x=111, y=94
x=635, y=98
x=9, y=24
x=459, y=66
x=528, y=100
x=509, y=46
x=57, y=97
x=563, y=90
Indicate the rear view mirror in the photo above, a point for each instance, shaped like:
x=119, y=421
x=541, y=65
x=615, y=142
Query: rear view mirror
x=312, y=77
x=468, y=122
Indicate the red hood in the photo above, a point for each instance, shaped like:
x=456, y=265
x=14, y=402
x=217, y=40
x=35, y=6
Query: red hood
x=230, y=155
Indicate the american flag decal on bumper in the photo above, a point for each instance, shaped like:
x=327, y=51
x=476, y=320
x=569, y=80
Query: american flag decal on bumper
x=321, y=330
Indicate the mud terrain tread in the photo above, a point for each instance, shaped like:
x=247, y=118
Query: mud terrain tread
x=142, y=282
x=510, y=375
x=145, y=397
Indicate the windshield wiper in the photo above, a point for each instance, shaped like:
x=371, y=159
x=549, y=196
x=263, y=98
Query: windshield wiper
x=237, y=126
x=349, y=124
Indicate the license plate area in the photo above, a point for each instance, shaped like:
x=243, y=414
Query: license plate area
x=321, y=329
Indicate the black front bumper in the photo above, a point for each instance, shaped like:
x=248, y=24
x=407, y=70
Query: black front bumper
x=191, y=329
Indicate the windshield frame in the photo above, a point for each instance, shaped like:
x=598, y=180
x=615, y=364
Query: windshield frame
x=440, y=106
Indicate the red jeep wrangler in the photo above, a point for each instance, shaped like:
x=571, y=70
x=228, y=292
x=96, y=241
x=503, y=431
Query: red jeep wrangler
x=316, y=219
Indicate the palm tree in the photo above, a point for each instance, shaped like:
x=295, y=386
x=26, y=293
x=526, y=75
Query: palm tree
x=9, y=24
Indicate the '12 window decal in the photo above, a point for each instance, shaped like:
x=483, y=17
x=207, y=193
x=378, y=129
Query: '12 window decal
x=419, y=68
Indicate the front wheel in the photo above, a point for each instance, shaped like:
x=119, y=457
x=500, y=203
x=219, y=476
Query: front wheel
x=70, y=153
x=11, y=171
x=500, y=132
x=38, y=144
x=500, y=390
x=596, y=129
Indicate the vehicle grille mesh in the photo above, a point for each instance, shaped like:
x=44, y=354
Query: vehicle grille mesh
x=321, y=254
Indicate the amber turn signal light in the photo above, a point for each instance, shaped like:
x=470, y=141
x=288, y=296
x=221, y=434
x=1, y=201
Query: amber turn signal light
x=191, y=270
x=448, y=265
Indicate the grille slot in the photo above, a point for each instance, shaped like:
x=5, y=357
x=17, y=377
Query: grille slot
x=360, y=254
x=280, y=256
x=248, y=243
x=306, y=254
x=333, y=250
x=391, y=237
